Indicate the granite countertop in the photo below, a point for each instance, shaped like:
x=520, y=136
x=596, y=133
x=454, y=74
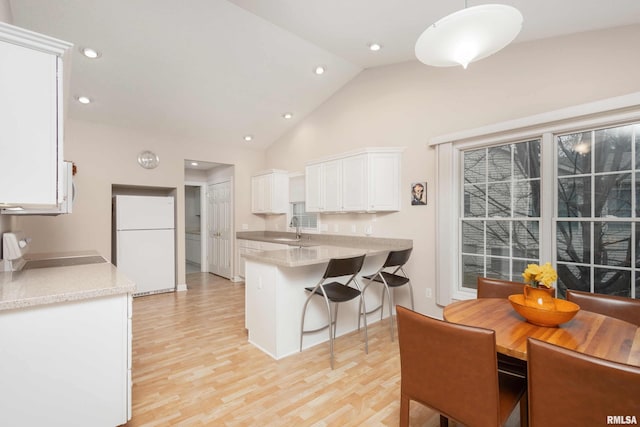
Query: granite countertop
x=39, y=286
x=318, y=248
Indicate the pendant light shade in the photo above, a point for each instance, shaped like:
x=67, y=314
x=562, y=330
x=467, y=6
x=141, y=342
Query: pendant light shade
x=468, y=35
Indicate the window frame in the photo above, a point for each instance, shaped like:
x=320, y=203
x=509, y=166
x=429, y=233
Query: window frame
x=449, y=148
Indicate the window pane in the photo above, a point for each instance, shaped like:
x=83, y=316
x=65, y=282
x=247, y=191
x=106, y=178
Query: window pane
x=473, y=237
x=499, y=198
x=498, y=238
x=526, y=239
x=612, y=282
x=474, y=201
x=527, y=198
x=475, y=166
x=637, y=194
x=636, y=135
x=498, y=267
x=518, y=268
x=612, y=243
x=574, y=197
x=574, y=154
x=612, y=149
x=573, y=241
x=573, y=277
x=526, y=157
x=472, y=267
x=613, y=195
x=500, y=163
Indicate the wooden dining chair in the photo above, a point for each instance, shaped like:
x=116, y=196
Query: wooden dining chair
x=497, y=288
x=627, y=309
x=568, y=388
x=452, y=369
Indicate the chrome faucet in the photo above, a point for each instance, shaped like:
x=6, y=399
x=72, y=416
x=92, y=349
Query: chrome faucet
x=295, y=222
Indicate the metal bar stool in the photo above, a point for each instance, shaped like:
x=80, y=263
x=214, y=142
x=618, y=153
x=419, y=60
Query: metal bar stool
x=335, y=293
x=391, y=280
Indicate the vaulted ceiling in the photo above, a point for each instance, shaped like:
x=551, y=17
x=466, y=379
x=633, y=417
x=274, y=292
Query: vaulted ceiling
x=217, y=70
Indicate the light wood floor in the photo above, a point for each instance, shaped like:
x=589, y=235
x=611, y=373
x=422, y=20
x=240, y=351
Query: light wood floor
x=193, y=366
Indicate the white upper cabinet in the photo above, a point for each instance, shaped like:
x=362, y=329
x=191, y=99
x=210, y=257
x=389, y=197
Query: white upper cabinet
x=31, y=130
x=383, y=180
x=270, y=192
x=364, y=181
x=314, y=200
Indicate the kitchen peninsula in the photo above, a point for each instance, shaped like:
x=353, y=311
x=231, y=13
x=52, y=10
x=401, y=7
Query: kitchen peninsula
x=275, y=282
x=65, y=357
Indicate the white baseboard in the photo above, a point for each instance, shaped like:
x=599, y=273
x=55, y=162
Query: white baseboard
x=181, y=287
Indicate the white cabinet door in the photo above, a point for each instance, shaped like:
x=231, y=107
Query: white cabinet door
x=28, y=126
x=332, y=185
x=270, y=193
x=258, y=194
x=384, y=182
x=69, y=360
x=313, y=188
x=354, y=183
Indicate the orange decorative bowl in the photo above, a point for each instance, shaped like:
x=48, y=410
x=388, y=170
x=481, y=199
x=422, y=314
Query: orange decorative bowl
x=563, y=311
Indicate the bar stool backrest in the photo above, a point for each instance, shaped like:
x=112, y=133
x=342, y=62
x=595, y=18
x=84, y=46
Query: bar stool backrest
x=397, y=258
x=338, y=267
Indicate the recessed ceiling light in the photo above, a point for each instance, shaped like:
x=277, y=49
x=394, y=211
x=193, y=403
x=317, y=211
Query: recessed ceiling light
x=248, y=138
x=287, y=115
x=374, y=47
x=84, y=100
x=194, y=163
x=319, y=70
x=90, y=53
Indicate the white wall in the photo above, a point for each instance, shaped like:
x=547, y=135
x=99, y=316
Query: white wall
x=409, y=103
x=105, y=156
x=5, y=12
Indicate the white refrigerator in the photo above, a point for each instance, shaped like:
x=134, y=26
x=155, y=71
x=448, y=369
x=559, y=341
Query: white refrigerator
x=144, y=247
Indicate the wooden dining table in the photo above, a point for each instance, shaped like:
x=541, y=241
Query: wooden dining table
x=589, y=333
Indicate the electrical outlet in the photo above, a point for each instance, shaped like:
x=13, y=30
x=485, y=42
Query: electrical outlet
x=428, y=293
x=245, y=226
x=368, y=230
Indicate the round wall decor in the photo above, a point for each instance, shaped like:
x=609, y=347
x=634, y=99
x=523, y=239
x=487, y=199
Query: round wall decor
x=148, y=159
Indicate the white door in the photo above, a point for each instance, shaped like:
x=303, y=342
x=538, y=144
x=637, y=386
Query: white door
x=219, y=227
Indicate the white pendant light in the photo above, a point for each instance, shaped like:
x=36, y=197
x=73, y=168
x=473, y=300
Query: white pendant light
x=468, y=35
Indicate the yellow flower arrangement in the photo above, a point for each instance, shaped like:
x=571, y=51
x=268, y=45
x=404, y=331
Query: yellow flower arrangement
x=540, y=275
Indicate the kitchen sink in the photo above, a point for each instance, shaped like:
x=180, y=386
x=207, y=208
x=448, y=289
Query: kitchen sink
x=63, y=262
x=285, y=239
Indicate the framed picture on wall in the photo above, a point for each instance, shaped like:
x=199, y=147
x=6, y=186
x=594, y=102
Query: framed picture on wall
x=418, y=193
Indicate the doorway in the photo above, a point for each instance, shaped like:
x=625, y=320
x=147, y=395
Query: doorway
x=213, y=183
x=193, y=228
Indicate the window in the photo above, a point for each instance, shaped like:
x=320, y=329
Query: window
x=306, y=220
x=598, y=210
x=499, y=222
x=562, y=187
